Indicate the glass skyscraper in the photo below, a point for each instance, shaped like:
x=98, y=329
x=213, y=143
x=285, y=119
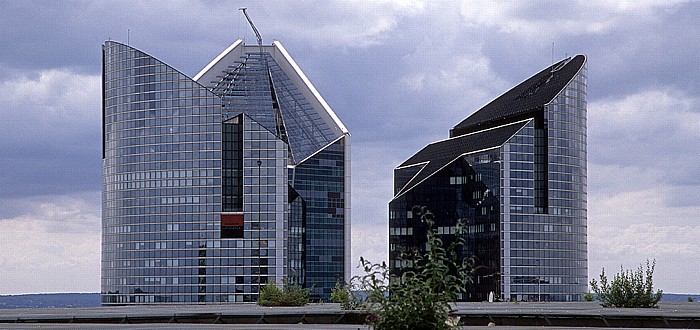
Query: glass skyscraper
x=513, y=175
x=217, y=184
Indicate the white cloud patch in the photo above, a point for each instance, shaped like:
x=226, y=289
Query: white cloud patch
x=644, y=190
x=648, y=205
x=54, y=247
x=372, y=182
x=557, y=18
x=370, y=242
x=649, y=139
x=52, y=101
x=675, y=117
x=471, y=74
x=348, y=24
x=372, y=188
x=449, y=76
x=614, y=246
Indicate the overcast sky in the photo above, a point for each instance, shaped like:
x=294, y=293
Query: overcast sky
x=399, y=74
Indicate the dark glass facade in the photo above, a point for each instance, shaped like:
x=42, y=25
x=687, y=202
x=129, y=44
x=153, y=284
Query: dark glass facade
x=514, y=173
x=466, y=191
x=321, y=180
x=200, y=200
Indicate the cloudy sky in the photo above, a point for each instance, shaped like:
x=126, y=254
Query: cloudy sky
x=399, y=74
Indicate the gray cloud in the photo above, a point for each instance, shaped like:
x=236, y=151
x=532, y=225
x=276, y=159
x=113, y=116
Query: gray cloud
x=50, y=134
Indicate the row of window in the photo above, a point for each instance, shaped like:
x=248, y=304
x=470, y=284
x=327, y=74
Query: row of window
x=549, y=262
x=545, y=288
x=178, y=248
x=176, y=299
x=176, y=115
x=166, y=157
x=162, y=135
x=564, y=130
x=201, y=272
x=114, y=97
x=527, y=227
x=182, y=234
x=250, y=260
x=200, y=164
x=175, y=285
x=559, y=113
x=546, y=280
x=160, y=131
x=154, y=197
x=132, y=153
x=545, y=218
x=549, y=253
x=542, y=270
x=560, y=245
x=567, y=160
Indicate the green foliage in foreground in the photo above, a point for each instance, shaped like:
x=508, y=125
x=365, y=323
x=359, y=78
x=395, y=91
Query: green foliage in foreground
x=288, y=295
x=420, y=298
x=343, y=295
x=628, y=289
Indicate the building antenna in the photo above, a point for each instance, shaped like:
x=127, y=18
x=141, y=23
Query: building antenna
x=552, y=52
x=127, y=37
x=239, y=30
x=257, y=34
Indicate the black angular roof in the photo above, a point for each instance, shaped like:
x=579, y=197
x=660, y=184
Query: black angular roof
x=439, y=154
x=524, y=99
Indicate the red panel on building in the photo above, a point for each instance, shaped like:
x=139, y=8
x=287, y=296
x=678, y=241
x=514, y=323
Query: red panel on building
x=231, y=220
x=232, y=226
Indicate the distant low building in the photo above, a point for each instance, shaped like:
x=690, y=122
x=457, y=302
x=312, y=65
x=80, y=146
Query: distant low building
x=514, y=175
x=218, y=184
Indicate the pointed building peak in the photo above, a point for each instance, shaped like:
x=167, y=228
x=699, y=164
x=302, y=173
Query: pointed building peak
x=524, y=99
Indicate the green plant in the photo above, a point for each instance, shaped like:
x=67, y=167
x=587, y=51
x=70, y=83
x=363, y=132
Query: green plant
x=628, y=289
x=587, y=296
x=342, y=294
x=420, y=298
x=690, y=299
x=287, y=295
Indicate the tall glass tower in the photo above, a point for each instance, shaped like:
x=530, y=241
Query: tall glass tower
x=513, y=174
x=218, y=184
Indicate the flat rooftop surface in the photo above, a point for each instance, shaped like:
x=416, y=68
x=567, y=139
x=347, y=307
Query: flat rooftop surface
x=671, y=309
x=331, y=316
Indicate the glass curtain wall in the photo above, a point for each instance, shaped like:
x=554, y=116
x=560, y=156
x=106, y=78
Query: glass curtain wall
x=545, y=255
x=466, y=191
x=161, y=182
x=320, y=181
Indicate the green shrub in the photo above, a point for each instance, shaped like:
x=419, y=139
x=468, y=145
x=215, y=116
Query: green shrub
x=628, y=289
x=288, y=295
x=342, y=294
x=420, y=298
x=587, y=296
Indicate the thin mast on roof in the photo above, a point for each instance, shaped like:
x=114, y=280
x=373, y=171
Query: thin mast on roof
x=257, y=34
x=281, y=130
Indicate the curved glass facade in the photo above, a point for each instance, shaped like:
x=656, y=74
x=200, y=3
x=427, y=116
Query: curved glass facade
x=524, y=190
x=203, y=201
x=161, y=182
x=544, y=256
